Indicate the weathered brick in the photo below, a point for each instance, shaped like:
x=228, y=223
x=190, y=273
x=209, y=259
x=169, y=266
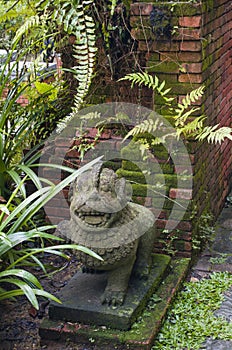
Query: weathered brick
x=188, y=34
x=180, y=193
x=192, y=67
x=193, y=22
x=190, y=46
x=141, y=9
x=190, y=78
x=182, y=57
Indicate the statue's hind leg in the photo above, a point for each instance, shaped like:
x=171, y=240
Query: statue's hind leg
x=144, y=259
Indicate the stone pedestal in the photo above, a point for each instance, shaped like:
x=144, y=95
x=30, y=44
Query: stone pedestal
x=82, y=319
x=81, y=298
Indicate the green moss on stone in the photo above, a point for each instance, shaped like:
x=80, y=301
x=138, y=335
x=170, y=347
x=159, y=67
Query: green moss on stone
x=162, y=67
x=182, y=88
x=133, y=176
x=112, y=165
x=131, y=166
x=139, y=190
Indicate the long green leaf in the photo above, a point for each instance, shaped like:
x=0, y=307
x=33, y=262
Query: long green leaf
x=19, y=237
x=76, y=247
x=25, y=275
x=27, y=290
x=47, y=295
x=22, y=206
x=49, y=194
x=18, y=181
x=31, y=174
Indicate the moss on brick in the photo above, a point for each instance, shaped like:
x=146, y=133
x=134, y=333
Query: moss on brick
x=187, y=9
x=182, y=88
x=139, y=190
x=167, y=168
x=138, y=200
x=112, y=165
x=170, y=180
x=160, y=152
x=131, y=166
x=207, y=62
x=162, y=67
x=133, y=176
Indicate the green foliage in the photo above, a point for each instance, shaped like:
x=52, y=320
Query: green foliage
x=149, y=81
x=186, y=124
x=15, y=233
x=214, y=134
x=71, y=18
x=27, y=123
x=191, y=319
x=204, y=230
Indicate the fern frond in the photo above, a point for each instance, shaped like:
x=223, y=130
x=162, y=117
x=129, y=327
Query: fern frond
x=192, y=128
x=147, y=126
x=151, y=82
x=189, y=99
x=12, y=14
x=214, y=134
x=30, y=23
x=181, y=120
x=77, y=20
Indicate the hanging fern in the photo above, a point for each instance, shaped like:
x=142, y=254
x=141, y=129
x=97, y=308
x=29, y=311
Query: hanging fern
x=76, y=20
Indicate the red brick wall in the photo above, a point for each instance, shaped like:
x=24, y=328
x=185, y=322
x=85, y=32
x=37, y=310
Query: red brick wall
x=198, y=53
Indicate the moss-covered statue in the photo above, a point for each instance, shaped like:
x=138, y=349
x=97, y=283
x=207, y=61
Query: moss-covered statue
x=103, y=220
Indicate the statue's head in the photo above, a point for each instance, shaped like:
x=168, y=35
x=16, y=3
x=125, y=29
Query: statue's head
x=97, y=198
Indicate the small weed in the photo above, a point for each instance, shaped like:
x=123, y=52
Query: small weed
x=192, y=319
x=218, y=260
x=204, y=231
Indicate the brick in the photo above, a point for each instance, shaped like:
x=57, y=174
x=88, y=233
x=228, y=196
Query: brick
x=190, y=78
x=188, y=34
x=163, y=67
x=190, y=46
x=184, y=226
x=141, y=9
x=158, y=45
x=182, y=57
x=193, y=22
x=64, y=142
x=180, y=193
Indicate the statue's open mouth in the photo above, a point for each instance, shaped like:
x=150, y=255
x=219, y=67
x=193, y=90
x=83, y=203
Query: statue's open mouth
x=93, y=218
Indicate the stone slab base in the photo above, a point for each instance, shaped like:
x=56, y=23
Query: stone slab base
x=143, y=331
x=81, y=298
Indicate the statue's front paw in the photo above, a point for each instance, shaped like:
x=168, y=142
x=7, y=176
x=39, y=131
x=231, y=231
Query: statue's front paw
x=113, y=298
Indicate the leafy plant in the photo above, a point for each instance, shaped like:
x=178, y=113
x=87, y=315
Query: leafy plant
x=191, y=319
x=149, y=81
x=73, y=18
x=204, y=230
x=185, y=123
x=15, y=253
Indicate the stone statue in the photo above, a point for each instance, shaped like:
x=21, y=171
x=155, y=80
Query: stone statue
x=103, y=220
